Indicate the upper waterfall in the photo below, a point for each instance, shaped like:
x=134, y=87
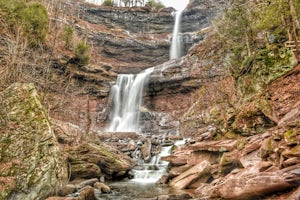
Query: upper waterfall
x=126, y=97
x=176, y=45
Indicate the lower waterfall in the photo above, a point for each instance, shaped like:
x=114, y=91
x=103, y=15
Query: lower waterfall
x=126, y=98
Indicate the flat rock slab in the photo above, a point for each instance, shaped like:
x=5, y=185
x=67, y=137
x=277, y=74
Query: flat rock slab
x=184, y=179
x=246, y=186
x=219, y=146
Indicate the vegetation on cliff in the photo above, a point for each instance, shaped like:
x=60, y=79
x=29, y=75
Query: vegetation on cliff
x=254, y=34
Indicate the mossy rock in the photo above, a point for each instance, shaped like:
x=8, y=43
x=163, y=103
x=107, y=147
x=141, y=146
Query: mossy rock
x=251, y=120
x=85, y=170
x=31, y=162
x=266, y=66
x=292, y=136
x=111, y=161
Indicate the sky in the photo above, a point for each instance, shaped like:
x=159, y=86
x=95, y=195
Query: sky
x=177, y=4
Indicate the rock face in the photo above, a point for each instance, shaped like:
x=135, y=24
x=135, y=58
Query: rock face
x=133, y=39
x=32, y=165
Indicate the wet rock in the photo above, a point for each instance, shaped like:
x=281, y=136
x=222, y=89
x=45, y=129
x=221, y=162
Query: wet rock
x=183, y=180
x=87, y=193
x=102, y=187
x=32, y=164
x=164, y=180
x=146, y=150
x=131, y=145
x=85, y=170
x=174, y=197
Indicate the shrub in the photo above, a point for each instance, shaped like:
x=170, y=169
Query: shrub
x=31, y=19
x=155, y=4
x=67, y=36
x=108, y=3
x=81, y=52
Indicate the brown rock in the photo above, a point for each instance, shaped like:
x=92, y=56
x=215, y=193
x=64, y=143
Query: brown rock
x=182, y=181
x=87, y=193
x=293, y=152
x=295, y=195
x=291, y=161
x=118, y=135
x=176, y=171
x=250, y=159
x=85, y=170
x=218, y=146
x=103, y=187
x=198, y=156
x=199, y=182
x=178, y=158
x=110, y=160
x=291, y=118
x=146, y=150
x=67, y=189
x=251, y=185
x=174, y=197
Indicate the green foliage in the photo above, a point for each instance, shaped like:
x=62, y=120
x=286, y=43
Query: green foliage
x=155, y=4
x=30, y=18
x=108, y=3
x=81, y=52
x=67, y=35
x=253, y=33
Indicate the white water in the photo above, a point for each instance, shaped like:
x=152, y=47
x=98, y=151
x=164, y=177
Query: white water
x=176, y=44
x=152, y=172
x=126, y=97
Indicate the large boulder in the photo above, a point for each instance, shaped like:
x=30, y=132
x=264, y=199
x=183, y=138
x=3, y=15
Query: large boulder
x=32, y=165
x=112, y=162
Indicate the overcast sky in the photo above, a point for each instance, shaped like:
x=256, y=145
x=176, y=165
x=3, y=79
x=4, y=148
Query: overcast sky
x=177, y=4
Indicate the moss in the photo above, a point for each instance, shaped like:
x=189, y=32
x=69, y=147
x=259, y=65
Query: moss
x=290, y=136
x=231, y=135
x=241, y=143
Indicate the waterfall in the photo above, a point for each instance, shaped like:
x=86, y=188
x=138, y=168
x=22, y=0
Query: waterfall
x=176, y=44
x=126, y=97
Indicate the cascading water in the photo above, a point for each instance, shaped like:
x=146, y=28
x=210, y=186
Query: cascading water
x=176, y=44
x=126, y=97
x=151, y=172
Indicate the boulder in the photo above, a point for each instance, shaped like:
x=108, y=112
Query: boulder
x=87, y=193
x=31, y=162
x=102, y=187
x=111, y=161
x=85, y=170
x=146, y=150
x=183, y=180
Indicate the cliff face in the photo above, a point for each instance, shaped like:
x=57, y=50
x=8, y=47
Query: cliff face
x=133, y=39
